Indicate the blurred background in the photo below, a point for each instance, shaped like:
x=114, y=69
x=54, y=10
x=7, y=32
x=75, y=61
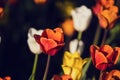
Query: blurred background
x=17, y=16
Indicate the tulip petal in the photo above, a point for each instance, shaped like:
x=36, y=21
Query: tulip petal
x=66, y=69
x=53, y=34
x=47, y=44
x=92, y=51
x=75, y=74
x=103, y=21
x=58, y=30
x=69, y=59
x=66, y=77
x=115, y=57
x=100, y=60
x=52, y=51
x=107, y=51
x=56, y=77
x=73, y=45
x=34, y=46
x=114, y=74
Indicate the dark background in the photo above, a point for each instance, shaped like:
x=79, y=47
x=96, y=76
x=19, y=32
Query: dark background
x=16, y=60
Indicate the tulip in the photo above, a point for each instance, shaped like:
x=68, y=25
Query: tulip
x=67, y=27
x=104, y=57
x=112, y=75
x=76, y=46
x=106, y=12
x=108, y=17
x=33, y=45
x=40, y=1
x=73, y=64
x=51, y=41
x=81, y=18
x=63, y=77
x=1, y=11
x=6, y=78
x=107, y=3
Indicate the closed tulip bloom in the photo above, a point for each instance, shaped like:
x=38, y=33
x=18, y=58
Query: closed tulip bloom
x=104, y=57
x=73, y=64
x=106, y=12
x=33, y=45
x=81, y=18
x=51, y=41
x=76, y=46
x=108, y=17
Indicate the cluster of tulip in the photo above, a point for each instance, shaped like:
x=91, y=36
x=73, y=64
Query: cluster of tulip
x=50, y=41
x=103, y=57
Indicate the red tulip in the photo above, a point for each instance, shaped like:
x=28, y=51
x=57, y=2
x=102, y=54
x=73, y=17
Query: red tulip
x=51, y=41
x=104, y=57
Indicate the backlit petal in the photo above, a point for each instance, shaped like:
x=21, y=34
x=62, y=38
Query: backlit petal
x=47, y=44
x=66, y=69
x=100, y=60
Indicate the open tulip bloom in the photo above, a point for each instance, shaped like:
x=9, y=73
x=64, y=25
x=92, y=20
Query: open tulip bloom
x=51, y=41
x=81, y=18
x=33, y=45
x=104, y=57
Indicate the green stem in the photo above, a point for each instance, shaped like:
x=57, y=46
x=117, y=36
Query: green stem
x=47, y=66
x=97, y=35
x=79, y=38
x=96, y=38
x=104, y=37
x=79, y=35
x=32, y=77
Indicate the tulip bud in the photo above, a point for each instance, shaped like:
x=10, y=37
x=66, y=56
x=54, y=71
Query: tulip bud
x=81, y=18
x=33, y=45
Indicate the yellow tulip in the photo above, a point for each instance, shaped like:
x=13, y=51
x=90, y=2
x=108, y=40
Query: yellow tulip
x=72, y=64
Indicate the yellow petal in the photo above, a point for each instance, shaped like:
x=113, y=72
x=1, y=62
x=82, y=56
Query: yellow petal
x=69, y=59
x=66, y=69
x=75, y=74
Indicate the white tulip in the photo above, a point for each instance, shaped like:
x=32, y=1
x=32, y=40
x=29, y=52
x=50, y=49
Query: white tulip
x=76, y=46
x=33, y=45
x=81, y=18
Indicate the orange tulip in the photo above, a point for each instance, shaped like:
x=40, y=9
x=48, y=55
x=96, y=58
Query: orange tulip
x=1, y=11
x=108, y=17
x=40, y=1
x=112, y=75
x=68, y=28
x=104, y=57
x=107, y=3
x=106, y=12
x=51, y=41
x=6, y=78
x=63, y=77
